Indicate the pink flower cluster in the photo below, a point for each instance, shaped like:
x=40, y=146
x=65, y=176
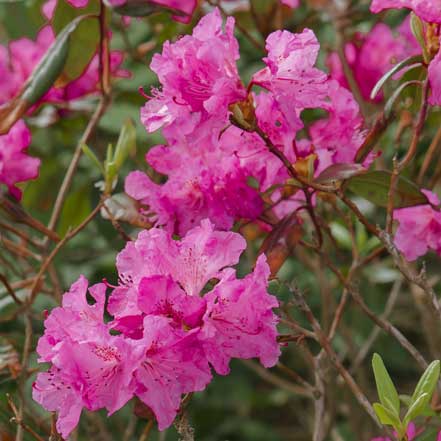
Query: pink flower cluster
x=419, y=228
x=15, y=165
x=178, y=309
x=208, y=161
x=371, y=55
x=429, y=11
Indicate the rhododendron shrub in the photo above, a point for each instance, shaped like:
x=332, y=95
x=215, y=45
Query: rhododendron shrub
x=220, y=220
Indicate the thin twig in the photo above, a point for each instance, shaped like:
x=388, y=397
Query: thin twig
x=324, y=342
x=51, y=256
x=68, y=178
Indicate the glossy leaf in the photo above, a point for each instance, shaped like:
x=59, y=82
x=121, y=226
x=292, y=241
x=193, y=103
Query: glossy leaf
x=374, y=186
x=84, y=41
x=417, y=408
x=385, y=387
x=42, y=78
x=386, y=417
x=427, y=382
x=141, y=8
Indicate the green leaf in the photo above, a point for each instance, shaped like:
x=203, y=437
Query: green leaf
x=387, y=417
x=417, y=408
x=42, y=78
x=139, y=8
x=385, y=387
x=85, y=38
x=415, y=60
x=374, y=186
x=126, y=144
x=427, y=382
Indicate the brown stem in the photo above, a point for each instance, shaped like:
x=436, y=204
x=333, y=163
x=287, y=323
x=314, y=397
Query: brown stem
x=324, y=342
x=68, y=178
x=51, y=256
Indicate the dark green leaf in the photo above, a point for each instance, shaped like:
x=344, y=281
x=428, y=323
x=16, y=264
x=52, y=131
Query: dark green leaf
x=84, y=41
x=374, y=186
x=140, y=8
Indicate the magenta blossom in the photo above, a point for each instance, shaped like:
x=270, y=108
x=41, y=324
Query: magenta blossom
x=90, y=368
x=198, y=75
x=290, y=73
x=203, y=182
x=428, y=10
x=419, y=228
x=374, y=54
x=233, y=320
x=15, y=165
x=179, y=308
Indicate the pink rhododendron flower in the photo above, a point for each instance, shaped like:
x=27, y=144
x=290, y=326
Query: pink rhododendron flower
x=90, y=368
x=15, y=165
x=374, y=54
x=428, y=10
x=170, y=331
x=340, y=134
x=290, y=73
x=203, y=182
x=239, y=322
x=24, y=54
x=198, y=75
x=419, y=228
x=434, y=75
x=173, y=363
x=234, y=320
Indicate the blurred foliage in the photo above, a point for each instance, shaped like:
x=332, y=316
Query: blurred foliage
x=241, y=406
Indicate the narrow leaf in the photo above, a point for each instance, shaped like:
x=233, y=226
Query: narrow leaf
x=42, y=78
x=126, y=144
x=417, y=408
x=385, y=387
x=387, y=417
x=84, y=41
x=428, y=381
x=414, y=60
